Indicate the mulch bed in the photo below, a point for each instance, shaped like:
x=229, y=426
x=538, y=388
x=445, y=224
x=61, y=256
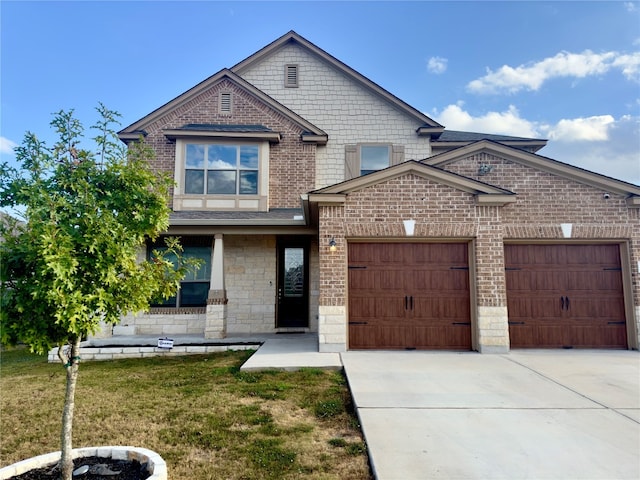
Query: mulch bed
x=129, y=470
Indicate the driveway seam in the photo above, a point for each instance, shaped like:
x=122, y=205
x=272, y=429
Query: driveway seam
x=570, y=389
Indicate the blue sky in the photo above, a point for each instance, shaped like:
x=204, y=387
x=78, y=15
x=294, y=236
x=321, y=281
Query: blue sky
x=565, y=71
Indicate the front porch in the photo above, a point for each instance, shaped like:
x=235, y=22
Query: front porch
x=274, y=351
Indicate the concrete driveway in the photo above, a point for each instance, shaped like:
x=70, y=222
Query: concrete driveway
x=530, y=414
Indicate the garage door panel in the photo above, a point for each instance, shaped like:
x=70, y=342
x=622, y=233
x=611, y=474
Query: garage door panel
x=542, y=307
x=360, y=336
x=441, y=310
x=416, y=293
x=565, y=296
x=549, y=335
x=458, y=338
x=598, y=336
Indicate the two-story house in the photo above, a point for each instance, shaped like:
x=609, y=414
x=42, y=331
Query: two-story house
x=321, y=202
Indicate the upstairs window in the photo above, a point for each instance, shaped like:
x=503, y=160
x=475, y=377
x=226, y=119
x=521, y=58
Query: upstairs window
x=374, y=157
x=291, y=76
x=221, y=169
x=364, y=158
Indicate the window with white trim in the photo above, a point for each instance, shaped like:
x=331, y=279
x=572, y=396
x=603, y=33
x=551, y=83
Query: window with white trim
x=221, y=169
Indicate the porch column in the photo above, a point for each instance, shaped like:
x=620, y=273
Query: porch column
x=216, y=321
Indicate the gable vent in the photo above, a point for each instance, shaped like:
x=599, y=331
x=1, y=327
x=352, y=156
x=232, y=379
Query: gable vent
x=225, y=102
x=291, y=76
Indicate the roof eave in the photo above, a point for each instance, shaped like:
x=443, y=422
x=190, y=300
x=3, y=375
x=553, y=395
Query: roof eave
x=271, y=137
x=313, y=138
x=217, y=222
x=429, y=131
x=536, y=144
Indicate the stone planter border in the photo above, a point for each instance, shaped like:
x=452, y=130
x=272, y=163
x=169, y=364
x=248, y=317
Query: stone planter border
x=156, y=465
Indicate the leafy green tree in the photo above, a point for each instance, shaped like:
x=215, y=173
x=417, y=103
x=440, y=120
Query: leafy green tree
x=74, y=263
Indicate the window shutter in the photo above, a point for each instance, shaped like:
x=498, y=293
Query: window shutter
x=397, y=154
x=351, y=164
x=225, y=102
x=291, y=75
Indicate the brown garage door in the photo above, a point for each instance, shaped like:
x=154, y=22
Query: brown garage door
x=409, y=295
x=565, y=296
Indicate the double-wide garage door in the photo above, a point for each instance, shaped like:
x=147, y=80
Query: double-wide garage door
x=409, y=296
x=565, y=296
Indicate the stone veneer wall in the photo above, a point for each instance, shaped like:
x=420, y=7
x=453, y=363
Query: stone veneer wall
x=338, y=105
x=250, y=280
x=164, y=321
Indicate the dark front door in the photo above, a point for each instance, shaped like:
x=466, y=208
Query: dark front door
x=292, y=307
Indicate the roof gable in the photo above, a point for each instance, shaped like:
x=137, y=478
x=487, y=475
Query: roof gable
x=485, y=194
x=539, y=162
x=428, y=125
x=133, y=131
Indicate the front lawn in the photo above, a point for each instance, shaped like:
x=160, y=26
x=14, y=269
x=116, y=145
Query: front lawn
x=205, y=417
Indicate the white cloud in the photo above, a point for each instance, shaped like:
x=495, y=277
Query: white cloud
x=565, y=64
x=629, y=64
x=630, y=6
x=600, y=143
x=616, y=157
x=7, y=146
x=508, y=122
x=437, y=65
x=589, y=129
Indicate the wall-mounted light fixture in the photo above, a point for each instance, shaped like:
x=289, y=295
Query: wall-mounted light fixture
x=333, y=246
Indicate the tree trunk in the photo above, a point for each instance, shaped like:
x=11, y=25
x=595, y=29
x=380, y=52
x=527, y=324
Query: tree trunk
x=71, y=365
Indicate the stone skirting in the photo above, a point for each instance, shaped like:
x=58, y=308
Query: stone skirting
x=114, y=353
x=332, y=328
x=493, y=330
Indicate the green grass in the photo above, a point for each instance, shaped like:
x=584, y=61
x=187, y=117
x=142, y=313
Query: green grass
x=205, y=417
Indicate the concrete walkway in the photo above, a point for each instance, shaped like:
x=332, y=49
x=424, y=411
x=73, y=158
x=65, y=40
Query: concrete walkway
x=543, y=414
x=291, y=352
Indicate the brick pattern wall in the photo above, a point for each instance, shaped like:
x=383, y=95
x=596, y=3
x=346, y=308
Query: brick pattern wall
x=291, y=163
x=545, y=201
x=442, y=212
x=339, y=106
x=333, y=268
x=489, y=252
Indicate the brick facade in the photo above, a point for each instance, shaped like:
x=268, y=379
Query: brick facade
x=291, y=163
x=544, y=202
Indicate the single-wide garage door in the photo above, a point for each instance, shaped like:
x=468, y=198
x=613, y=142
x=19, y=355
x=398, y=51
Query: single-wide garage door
x=409, y=296
x=565, y=296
